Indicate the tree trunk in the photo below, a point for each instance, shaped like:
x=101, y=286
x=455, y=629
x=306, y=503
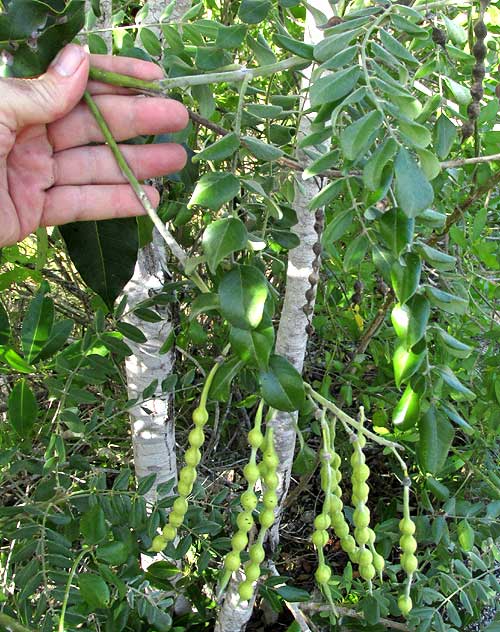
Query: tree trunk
x=291, y=340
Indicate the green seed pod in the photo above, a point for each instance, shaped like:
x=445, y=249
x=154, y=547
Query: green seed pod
x=251, y=473
x=271, y=460
x=335, y=462
x=342, y=531
x=169, y=532
x=271, y=480
x=407, y=526
x=348, y=544
x=322, y=521
x=180, y=506
x=361, y=516
x=362, y=535
x=245, y=591
x=323, y=574
x=252, y=572
x=270, y=499
x=266, y=518
x=361, y=440
x=192, y=456
x=371, y=540
x=187, y=475
x=337, y=521
x=244, y=521
x=405, y=605
x=175, y=519
x=200, y=416
x=255, y=438
x=262, y=467
x=365, y=557
x=336, y=505
x=357, y=459
x=408, y=544
x=248, y=500
x=196, y=437
x=409, y=563
x=232, y=561
x=257, y=553
x=239, y=541
x=184, y=488
x=366, y=571
x=361, y=474
x=320, y=538
x=378, y=562
x=158, y=544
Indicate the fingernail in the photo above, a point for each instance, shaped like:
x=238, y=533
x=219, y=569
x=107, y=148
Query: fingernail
x=68, y=60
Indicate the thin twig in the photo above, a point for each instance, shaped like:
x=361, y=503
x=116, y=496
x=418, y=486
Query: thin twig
x=461, y=162
x=169, y=239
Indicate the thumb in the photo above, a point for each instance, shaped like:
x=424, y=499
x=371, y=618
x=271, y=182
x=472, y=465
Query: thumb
x=48, y=97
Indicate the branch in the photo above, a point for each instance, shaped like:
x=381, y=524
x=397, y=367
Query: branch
x=169, y=239
x=11, y=624
x=374, y=326
x=461, y=162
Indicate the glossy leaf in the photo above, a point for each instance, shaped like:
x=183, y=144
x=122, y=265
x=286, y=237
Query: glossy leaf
x=405, y=276
x=465, y=535
x=406, y=413
x=253, y=346
x=242, y=294
x=356, y=139
x=104, y=253
x=222, y=148
x=375, y=165
x=4, y=325
x=450, y=303
x=221, y=238
x=94, y=590
x=436, y=437
x=406, y=363
x=453, y=346
x=445, y=134
x=297, y=47
x=215, y=189
x=437, y=258
x=333, y=44
x=419, y=312
x=413, y=191
x=281, y=385
x=22, y=408
x=396, y=229
x=37, y=325
x=261, y=150
x=254, y=11
x=333, y=87
x=417, y=135
x=224, y=377
x=58, y=337
x=429, y=163
x=447, y=375
x=93, y=525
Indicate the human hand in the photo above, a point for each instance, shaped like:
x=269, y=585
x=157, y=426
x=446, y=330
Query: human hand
x=49, y=174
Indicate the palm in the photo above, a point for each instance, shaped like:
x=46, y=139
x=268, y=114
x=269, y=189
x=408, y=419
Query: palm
x=57, y=173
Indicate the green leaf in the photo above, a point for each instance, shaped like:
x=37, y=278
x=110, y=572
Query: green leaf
x=301, y=49
x=131, y=332
x=456, y=33
x=93, y=525
x=406, y=412
x=254, y=11
x=215, y=189
x=261, y=150
x=210, y=58
x=375, y=165
x=223, y=378
x=413, y=191
x=453, y=346
x=406, y=363
x=418, y=135
x=326, y=195
x=58, y=337
x=305, y=461
x=333, y=87
x=230, y=36
x=242, y=294
x=4, y=325
x=253, y=346
x=437, y=258
x=436, y=437
x=115, y=553
x=37, y=325
x=395, y=47
x=221, y=238
x=450, y=303
x=460, y=93
x=419, y=312
x=321, y=164
x=150, y=42
x=396, y=229
x=405, y=276
x=400, y=318
x=104, y=253
x=94, y=590
x=339, y=224
x=204, y=303
x=22, y=408
x=293, y=594
x=358, y=137
x=222, y=148
x=333, y=44
x=454, y=383
x=355, y=252
x=465, y=536
x=281, y=385
x=14, y=360
x=445, y=134
x=429, y=163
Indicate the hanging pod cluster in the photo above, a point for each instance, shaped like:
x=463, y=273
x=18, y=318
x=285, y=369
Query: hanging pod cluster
x=266, y=473
x=360, y=547
x=187, y=475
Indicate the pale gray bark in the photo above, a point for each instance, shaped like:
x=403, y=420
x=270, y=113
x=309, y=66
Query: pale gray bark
x=291, y=340
x=103, y=22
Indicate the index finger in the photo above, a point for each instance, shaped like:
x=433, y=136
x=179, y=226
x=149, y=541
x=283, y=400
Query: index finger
x=130, y=66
